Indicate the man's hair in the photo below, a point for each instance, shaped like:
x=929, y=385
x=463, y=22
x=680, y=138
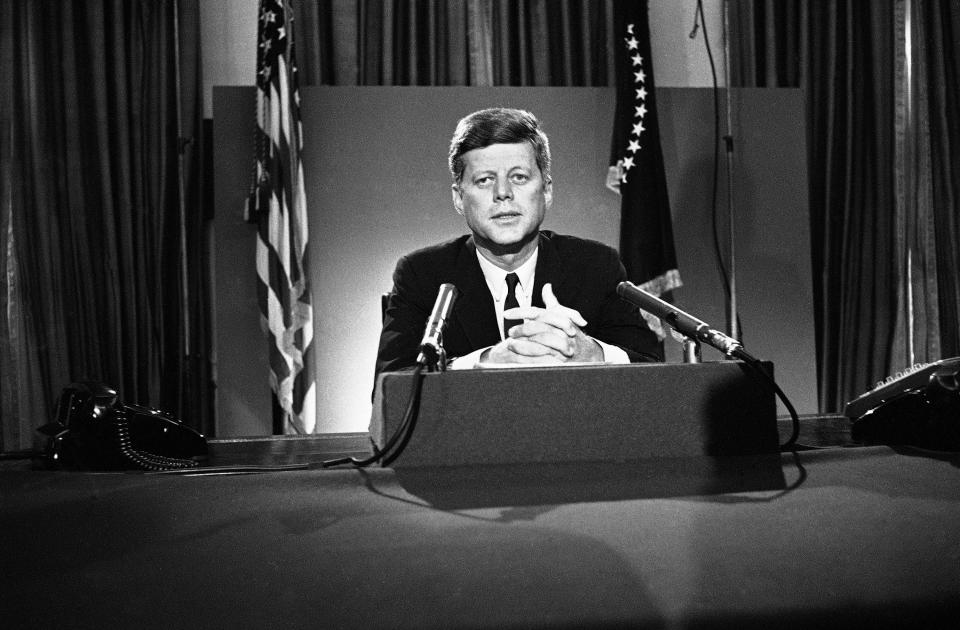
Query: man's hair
x=498, y=125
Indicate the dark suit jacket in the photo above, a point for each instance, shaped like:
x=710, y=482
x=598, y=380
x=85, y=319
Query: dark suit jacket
x=584, y=275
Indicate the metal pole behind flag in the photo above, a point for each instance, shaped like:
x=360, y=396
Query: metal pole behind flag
x=184, y=374
x=732, y=317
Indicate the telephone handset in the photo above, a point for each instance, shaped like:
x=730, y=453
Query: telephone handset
x=918, y=407
x=94, y=430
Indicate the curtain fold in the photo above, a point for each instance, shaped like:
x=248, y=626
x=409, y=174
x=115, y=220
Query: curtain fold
x=100, y=229
x=884, y=158
x=460, y=42
x=940, y=53
x=851, y=195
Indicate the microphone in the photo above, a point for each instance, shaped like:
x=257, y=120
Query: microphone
x=683, y=323
x=431, y=347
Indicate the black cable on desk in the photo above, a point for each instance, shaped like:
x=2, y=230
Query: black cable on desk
x=757, y=366
x=398, y=441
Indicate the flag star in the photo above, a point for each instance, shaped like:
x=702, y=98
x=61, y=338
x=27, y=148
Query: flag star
x=632, y=43
x=640, y=111
x=638, y=77
x=630, y=29
x=281, y=33
x=642, y=93
x=270, y=16
x=637, y=60
x=633, y=147
x=623, y=177
x=627, y=163
x=638, y=128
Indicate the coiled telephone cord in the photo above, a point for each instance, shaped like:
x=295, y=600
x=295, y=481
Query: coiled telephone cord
x=142, y=459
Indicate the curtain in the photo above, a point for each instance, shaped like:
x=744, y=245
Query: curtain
x=103, y=218
x=850, y=90
x=939, y=25
x=459, y=42
x=883, y=164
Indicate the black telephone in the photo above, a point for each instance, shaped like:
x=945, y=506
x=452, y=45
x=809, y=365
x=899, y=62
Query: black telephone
x=93, y=430
x=917, y=407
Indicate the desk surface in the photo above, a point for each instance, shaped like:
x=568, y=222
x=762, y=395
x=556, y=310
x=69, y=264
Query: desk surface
x=852, y=536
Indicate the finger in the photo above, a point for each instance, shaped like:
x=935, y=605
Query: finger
x=561, y=344
x=511, y=351
x=528, y=348
x=557, y=317
x=529, y=328
x=549, y=299
x=546, y=335
x=523, y=312
x=551, y=302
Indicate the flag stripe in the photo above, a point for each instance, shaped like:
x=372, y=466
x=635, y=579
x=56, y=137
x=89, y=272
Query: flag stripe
x=278, y=204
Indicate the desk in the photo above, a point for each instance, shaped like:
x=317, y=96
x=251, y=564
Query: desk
x=854, y=536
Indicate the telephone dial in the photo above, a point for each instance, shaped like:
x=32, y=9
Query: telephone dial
x=94, y=430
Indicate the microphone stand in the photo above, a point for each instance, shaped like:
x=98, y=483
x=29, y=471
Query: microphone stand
x=437, y=363
x=732, y=326
x=432, y=357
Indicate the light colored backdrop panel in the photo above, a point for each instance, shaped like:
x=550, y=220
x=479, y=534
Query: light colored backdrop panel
x=770, y=218
x=378, y=187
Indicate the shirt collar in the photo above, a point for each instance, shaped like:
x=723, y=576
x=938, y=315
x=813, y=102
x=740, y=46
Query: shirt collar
x=495, y=276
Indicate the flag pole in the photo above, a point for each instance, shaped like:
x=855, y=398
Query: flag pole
x=185, y=373
x=732, y=317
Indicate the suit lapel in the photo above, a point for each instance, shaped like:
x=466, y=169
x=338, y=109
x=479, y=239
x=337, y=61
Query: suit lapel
x=474, y=309
x=548, y=270
x=475, y=313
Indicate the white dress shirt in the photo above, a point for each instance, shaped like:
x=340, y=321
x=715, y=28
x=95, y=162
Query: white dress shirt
x=496, y=282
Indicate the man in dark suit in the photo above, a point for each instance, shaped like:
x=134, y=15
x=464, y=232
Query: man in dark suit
x=526, y=295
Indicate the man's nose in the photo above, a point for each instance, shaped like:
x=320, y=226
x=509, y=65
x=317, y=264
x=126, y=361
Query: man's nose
x=503, y=190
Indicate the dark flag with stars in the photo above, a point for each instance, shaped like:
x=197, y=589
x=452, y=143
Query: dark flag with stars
x=646, y=230
x=278, y=205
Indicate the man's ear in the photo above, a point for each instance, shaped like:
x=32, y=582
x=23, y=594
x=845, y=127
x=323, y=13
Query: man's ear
x=548, y=193
x=457, y=198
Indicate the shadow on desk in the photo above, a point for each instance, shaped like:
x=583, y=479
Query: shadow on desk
x=465, y=487
x=476, y=486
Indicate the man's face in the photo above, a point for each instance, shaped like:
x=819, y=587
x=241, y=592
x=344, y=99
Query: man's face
x=503, y=196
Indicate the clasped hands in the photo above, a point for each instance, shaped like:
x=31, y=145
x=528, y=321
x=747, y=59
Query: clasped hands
x=547, y=335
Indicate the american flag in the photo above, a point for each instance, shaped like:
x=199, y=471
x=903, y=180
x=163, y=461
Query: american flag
x=636, y=171
x=278, y=204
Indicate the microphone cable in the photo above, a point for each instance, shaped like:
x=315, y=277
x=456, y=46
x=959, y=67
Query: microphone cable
x=697, y=330
x=432, y=355
x=701, y=21
x=398, y=441
x=757, y=366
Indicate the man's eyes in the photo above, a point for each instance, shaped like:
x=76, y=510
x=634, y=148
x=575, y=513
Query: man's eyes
x=516, y=178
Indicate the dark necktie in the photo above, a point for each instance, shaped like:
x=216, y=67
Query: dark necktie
x=511, y=302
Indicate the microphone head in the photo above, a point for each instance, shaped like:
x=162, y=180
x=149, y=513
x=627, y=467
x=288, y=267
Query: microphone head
x=446, y=296
x=630, y=292
x=431, y=347
x=668, y=313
